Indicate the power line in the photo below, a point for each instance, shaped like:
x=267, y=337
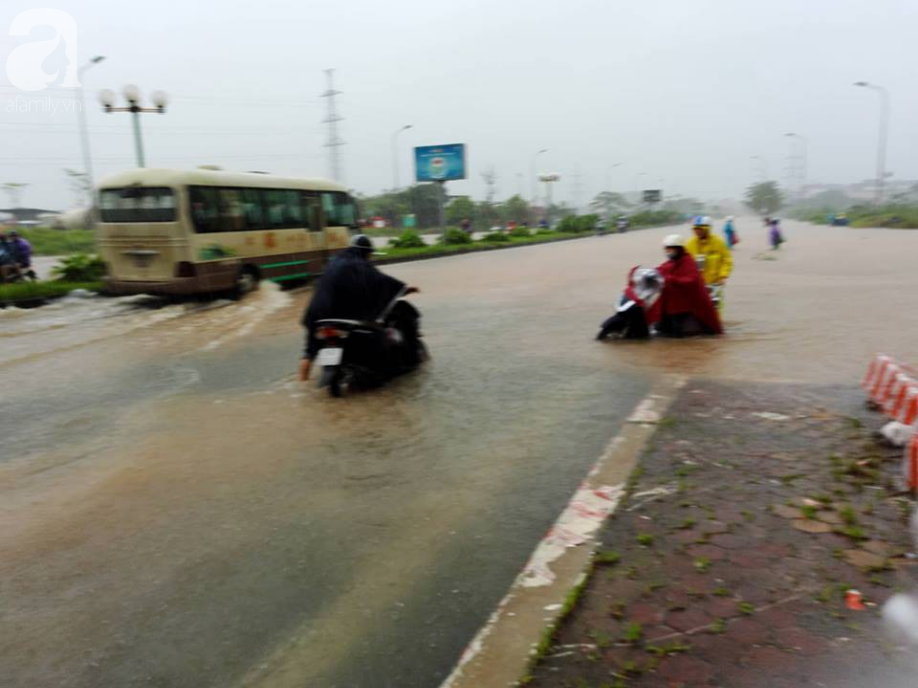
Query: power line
x=334, y=142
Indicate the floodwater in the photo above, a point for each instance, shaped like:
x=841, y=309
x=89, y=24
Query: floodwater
x=177, y=510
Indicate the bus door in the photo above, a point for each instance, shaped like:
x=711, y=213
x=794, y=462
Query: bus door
x=317, y=240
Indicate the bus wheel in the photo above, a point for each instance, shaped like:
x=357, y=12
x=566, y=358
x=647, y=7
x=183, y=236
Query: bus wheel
x=246, y=282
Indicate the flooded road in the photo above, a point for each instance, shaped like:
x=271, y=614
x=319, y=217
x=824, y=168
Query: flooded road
x=177, y=511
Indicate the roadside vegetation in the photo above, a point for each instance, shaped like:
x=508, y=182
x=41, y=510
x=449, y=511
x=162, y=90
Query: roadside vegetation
x=37, y=291
x=59, y=242
x=896, y=216
x=410, y=244
x=79, y=271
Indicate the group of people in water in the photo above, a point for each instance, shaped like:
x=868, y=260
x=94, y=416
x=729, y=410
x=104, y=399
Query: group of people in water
x=682, y=296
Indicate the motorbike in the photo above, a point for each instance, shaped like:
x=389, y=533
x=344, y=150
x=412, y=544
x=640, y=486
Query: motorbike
x=630, y=320
x=358, y=354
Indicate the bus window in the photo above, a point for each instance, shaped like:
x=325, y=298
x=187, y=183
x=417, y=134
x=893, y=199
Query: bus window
x=310, y=205
x=137, y=204
x=295, y=216
x=275, y=204
x=339, y=209
x=205, y=209
x=231, y=212
x=251, y=205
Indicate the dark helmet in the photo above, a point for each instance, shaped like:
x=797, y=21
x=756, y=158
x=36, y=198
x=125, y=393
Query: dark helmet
x=361, y=241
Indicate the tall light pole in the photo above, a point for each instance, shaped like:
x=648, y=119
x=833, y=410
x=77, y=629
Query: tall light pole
x=803, y=161
x=134, y=100
x=395, y=179
x=763, y=166
x=532, y=175
x=637, y=184
x=84, y=130
x=883, y=133
x=609, y=175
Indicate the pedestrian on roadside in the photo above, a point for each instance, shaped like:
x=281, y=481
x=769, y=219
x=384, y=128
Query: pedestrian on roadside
x=730, y=233
x=466, y=225
x=774, y=234
x=22, y=254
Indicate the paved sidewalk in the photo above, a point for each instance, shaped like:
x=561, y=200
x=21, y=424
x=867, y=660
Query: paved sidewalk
x=753, y=511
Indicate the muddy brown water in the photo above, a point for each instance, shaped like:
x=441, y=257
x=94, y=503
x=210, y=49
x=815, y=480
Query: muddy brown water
x=177, y=511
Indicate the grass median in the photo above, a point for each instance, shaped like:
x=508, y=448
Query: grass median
x=34, y=291
x=393, y=254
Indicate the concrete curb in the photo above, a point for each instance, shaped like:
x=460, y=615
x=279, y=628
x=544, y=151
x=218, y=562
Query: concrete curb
x=501, y=652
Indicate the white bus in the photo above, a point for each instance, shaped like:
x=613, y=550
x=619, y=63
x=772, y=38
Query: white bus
x=195, y=231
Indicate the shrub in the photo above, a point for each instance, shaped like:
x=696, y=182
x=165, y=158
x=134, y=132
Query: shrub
x=588, y=222
x=408, y=239
x=578, y=224
x=80, y=267
x=496, y=237
x=569, y=225
x=520, y=233
x=456, y=236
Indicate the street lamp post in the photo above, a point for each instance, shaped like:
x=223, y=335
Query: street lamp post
x=609, y=175
x=881, y=139
x=395, y=179
x=763, y=167
x=532, y=175
x=803, y=161
x=84, y=129
x=637, y=184
x=133, y=97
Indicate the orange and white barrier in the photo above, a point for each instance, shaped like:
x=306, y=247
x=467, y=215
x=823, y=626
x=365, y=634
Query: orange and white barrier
x=887, y=380
x=896, y=392
x=893, y=388
x=908, y=412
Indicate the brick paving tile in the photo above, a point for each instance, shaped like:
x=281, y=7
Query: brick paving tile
x=748, y=632
x=682, y=670
x=728, y=536
x=801, y=641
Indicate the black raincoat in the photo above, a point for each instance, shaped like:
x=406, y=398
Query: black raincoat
x=352, y=288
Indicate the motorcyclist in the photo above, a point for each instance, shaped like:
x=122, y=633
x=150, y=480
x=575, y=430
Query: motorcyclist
x=711, y=253
x=684, y=307
x=22, y=253
x=351, y=288
x=622, y=224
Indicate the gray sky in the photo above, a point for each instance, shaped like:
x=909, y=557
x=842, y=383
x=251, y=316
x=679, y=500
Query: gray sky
x=682, y=90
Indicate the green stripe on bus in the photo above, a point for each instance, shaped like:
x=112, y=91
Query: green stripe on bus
x=283, y=265
x=290, y=277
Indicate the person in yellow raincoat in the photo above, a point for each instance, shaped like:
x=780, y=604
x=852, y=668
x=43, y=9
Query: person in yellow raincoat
x=715, y=261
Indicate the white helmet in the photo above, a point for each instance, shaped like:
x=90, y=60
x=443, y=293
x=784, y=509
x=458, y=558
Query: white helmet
x=702, y=221
x=729, y=218
x=674, y=240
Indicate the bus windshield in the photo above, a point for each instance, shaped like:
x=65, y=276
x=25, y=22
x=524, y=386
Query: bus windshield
x=137, y=204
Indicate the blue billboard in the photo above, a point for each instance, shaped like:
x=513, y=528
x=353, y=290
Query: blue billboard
x=439, y=163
